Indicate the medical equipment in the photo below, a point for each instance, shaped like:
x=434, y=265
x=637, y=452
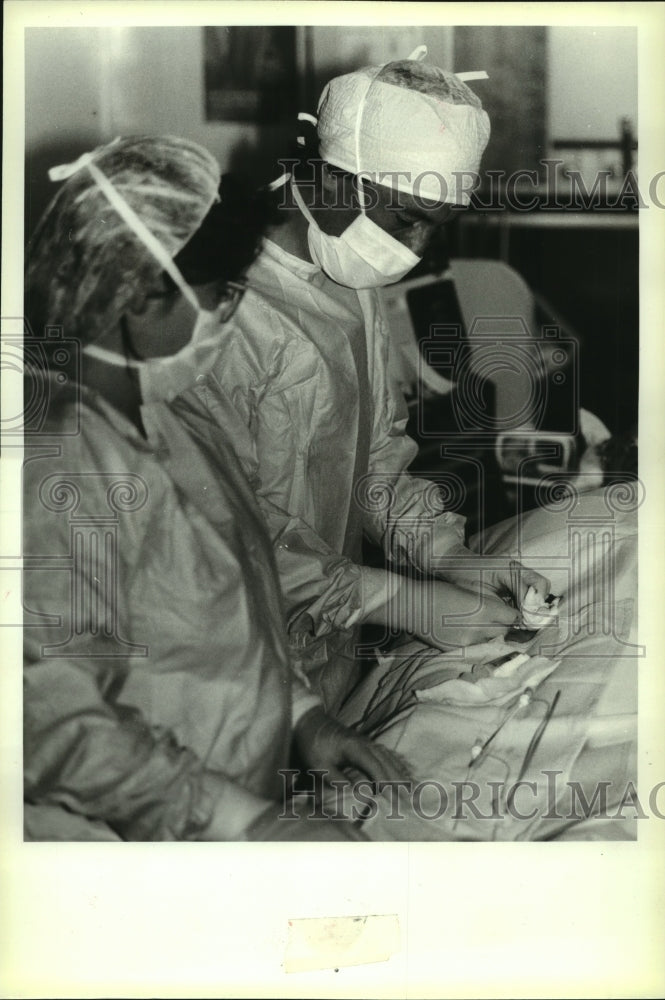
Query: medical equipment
x=479, y=750
x=532, y=747
x=534, y=616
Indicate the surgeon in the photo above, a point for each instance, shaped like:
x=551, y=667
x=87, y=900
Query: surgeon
x=304, y=367
x=159, y=701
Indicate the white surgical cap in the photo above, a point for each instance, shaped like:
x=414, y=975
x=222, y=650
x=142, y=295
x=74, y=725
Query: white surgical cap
x=410, y=126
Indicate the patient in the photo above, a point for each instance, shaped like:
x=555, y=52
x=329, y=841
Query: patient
x=159, y=699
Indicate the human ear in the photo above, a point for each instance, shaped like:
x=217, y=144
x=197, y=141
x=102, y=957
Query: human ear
x=339, y=189
x=329, y=180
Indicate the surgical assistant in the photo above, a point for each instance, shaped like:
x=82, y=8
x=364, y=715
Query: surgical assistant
x=304, y=370
x=159, y=701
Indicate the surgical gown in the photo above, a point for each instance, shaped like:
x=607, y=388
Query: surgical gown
x=303, y=379
x=156, y=668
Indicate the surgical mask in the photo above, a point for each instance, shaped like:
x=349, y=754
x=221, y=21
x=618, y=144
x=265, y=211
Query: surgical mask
x=364, y=256
x=160, y=378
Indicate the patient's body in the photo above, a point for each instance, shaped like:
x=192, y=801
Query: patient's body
x=477, y=721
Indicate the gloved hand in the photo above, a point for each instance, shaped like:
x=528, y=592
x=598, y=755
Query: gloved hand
x=235, y=809
x=515, y=580
x=274, y=825
x=239, y=814
x=510, y=582
x=424, y=608
x=327, y=745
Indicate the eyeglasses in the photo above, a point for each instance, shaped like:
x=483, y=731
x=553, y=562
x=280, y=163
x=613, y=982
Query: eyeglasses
x=232, y=293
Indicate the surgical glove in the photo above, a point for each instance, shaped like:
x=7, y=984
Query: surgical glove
x=272, y=825
x=235, y=809
x=535, y=613
x=326, y=745
x=511, y=582
x=424, y=608
x=515, y=581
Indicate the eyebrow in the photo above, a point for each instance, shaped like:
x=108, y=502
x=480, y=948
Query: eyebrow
x=416, y=214
x=410, y=210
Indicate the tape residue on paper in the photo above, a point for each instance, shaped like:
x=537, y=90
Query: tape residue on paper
x=335, y=942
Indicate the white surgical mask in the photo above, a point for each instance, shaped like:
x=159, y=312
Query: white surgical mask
x=364, y=256
x=161, y=378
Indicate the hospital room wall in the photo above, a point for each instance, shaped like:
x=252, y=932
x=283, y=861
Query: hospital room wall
x=591, y=81
x=90, y=82
x=87, y=85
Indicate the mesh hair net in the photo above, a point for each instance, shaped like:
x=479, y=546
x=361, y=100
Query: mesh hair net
x=84, y=264
x=419, y=126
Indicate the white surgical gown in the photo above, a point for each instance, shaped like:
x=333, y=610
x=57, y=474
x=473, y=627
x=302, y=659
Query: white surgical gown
x=302, y=383
x=156, y=668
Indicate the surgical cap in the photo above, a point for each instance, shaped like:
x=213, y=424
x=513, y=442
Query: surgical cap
x=419, y=126
x=84, y=263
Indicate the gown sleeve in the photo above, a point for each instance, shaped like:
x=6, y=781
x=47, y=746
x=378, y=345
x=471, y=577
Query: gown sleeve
x=84, y=751
x=406, y=515
x=322, y=589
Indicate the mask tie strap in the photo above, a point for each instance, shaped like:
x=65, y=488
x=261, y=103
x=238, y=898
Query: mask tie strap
x=110, y=357
x=284, y=178
x=475, y=74
x=279, y=182
x=67, y=170
x=301, y=204
x=303, y=116
x=419, y=53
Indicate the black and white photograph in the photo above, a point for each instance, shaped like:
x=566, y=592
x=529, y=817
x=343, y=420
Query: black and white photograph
x=331, y=409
